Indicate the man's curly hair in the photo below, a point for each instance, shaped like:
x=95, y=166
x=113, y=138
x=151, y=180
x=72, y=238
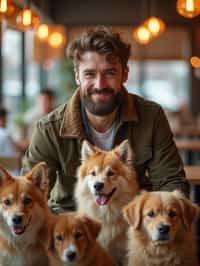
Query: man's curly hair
x=102, y=41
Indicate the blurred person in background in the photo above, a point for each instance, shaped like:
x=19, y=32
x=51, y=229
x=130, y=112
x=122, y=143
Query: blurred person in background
x=7, y=145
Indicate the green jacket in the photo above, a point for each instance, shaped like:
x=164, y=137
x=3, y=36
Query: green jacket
x=57, y=140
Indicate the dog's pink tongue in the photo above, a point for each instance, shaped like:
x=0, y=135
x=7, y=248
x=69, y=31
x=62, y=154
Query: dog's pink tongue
x=18, y=230
x=101, y=200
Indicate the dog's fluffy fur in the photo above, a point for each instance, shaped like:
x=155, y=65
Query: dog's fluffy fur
x=23, y=215
x=161, y=230
x=73, y=242
x=107, y=182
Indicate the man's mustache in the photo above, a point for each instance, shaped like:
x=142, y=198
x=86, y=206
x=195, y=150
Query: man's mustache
x=101, y=91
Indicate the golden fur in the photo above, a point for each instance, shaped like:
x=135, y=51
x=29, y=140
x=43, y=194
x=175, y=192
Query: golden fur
x=114, y=169
x=161, y=230
x=73, y=242
x=23, y=215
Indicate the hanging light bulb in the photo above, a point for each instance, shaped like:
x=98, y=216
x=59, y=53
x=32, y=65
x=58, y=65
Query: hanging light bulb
x=42, y=32
x=7, y=9
x=27, y=19
x=142, y=35
x=188, y=8
x=155, y=25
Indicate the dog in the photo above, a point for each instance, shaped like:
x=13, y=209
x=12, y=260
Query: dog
x=23, y=216
x=161, y=230
x=73, y=242
x=107, y=181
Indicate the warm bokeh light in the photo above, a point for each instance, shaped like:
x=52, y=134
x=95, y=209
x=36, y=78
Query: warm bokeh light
x=155, y=25
x=43, y=32
x=142, y=35
x=56, y=39
x=3, y=6
x=27, y=19
x=195, y=61
x=7, y=9
x=188, y=8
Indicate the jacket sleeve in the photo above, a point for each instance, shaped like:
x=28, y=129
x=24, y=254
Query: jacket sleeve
x=41, y=148
x=165, y=169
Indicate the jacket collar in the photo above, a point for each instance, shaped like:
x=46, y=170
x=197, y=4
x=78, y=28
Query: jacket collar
x=72, y=126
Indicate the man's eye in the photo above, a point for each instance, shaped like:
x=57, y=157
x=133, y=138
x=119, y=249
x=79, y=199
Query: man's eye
x=89, y=75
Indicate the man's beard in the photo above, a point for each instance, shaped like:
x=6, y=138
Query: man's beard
x=101, y=107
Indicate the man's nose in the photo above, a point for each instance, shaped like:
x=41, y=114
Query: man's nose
x=100, y=82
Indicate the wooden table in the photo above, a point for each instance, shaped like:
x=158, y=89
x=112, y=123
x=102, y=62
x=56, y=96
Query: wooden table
x=193, y=174
x=189, y=145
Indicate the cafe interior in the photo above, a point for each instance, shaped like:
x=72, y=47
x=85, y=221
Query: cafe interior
x=164, y=64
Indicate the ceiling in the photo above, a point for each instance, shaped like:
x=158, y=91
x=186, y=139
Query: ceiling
x=112, y=12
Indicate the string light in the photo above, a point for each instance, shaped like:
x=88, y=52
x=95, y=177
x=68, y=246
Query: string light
x=155, y=25
x=142, y=35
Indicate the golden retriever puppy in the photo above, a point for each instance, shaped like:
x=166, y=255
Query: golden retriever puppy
x=23, y=217
x=161, y=230
x=107, y=182
x=74, y=242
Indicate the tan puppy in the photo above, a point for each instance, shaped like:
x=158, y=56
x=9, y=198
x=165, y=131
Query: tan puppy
x=23, y=217
x=74, y=242
x=161, y=231
x=106, y=183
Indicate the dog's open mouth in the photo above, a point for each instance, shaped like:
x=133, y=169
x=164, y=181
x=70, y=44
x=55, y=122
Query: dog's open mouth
x=102, y=198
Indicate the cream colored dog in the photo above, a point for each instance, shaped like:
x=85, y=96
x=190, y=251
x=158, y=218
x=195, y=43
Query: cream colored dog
x=161, y=231
x=106, y=183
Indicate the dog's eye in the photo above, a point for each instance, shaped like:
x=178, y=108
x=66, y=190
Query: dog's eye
x=93, y=173
x=110, y=173
x=151, y=214
x=172, y=214
x=7, y=202
x=59, y=237
x=78, y=235
x=27, y=201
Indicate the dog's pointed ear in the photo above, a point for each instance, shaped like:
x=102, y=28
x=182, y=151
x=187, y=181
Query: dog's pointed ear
x=133, y=211
x=87, y=150
x=4, y=176
x=92, y=227
x=189, y=210
x=125, y=152
x=39, y=176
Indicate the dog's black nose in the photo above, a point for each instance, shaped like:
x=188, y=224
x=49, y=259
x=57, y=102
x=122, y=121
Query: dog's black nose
x=163, y=228
x=71, y=255
x=17, y=219
x=98, y=186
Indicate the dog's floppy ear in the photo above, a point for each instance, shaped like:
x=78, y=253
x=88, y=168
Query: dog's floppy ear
x=92, y=227
x=39, y=176
x=189, y=210
x=125, y=152
x=4, y=176
x=133, y=211
x=87, y=150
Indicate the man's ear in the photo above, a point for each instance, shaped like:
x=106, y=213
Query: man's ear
x=77, y=76
x=125, y=74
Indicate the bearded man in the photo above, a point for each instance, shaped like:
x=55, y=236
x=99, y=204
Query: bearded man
x=103, y=112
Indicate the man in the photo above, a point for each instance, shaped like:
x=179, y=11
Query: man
x=103, y=112
x=44, y=105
